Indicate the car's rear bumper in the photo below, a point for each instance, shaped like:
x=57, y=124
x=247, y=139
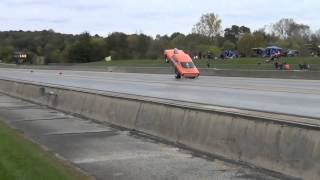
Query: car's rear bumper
x=190, y=75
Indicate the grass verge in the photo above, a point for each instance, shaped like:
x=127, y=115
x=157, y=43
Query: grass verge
x=21, y=159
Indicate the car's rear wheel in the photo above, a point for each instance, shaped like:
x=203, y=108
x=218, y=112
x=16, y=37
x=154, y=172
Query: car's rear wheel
x=178, y=75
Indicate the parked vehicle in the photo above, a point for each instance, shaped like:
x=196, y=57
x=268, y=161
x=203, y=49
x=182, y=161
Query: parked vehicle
x=293, y=53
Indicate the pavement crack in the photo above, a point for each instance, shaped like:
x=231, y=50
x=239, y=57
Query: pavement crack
x=44, y=119
x=105, y=132
x=21, y=107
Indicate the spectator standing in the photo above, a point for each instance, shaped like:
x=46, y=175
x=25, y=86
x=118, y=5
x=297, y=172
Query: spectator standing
x=308, y=67
x=276, y=65
x=286, y=66
x=281, y=66
x=200, y=55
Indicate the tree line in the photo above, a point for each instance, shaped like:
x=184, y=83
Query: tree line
x=207, y=36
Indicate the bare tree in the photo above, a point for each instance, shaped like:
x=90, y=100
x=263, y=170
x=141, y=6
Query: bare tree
x=209, y=25
x=287, y=28
x=281, y=28
x=317, y=34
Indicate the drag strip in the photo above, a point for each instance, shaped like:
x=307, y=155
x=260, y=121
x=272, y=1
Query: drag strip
x=296, y=97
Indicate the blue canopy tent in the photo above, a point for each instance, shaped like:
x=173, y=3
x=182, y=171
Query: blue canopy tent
x=272, y=50
x=229, y=54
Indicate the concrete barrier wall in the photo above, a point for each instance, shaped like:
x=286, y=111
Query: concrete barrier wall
x=289, y=148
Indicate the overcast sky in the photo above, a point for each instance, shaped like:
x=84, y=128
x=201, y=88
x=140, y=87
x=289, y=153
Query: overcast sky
x=148, y=16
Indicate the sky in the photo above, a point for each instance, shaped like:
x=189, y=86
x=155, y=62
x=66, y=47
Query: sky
x=149, y=16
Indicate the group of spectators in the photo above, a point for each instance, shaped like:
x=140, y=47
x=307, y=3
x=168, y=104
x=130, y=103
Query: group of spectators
x=275, y=57
x=305, y=67
x=282, y=66
x=201, y=55
x=286, y=66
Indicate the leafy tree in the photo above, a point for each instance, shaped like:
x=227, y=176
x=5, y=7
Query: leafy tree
x=228, y=45
x=156, y=49
x=179, y=41
x=249, y=41
x=197, y=43
x=84, y=50
x=244, y=29
x=234, y=33
x=216, y=51
x=6, y=53
x=209, y=25
x=176, y=34
x=206, y=36
x=118, y=45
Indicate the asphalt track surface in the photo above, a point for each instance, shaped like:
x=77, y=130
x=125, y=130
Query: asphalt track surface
x=294, y=97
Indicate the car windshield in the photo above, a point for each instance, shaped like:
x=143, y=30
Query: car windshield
x=187, y=64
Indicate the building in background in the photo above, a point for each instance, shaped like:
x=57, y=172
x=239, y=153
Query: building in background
x=20, y=57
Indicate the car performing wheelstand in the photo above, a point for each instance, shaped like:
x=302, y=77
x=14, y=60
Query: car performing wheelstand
x=182, y=63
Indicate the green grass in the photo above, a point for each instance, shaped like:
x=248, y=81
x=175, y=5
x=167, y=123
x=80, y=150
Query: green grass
x=241, y=63
x=21, y=159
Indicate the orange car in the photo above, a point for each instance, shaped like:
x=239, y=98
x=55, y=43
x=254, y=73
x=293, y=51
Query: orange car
x=182, y=63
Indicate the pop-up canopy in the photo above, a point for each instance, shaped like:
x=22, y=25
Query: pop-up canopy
x=272, y=50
